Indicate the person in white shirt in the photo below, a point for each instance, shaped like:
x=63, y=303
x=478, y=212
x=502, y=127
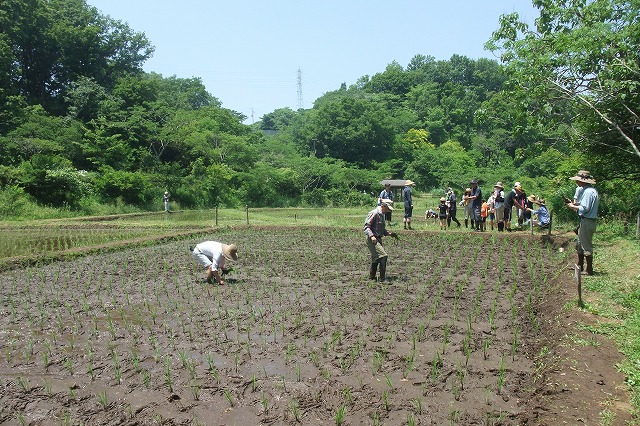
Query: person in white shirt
x=212, y=256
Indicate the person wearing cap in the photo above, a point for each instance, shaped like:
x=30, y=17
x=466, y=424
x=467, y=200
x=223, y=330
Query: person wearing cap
x=587, y=209
x=511, y=200
x=165, y=199
x=443, y=213
x=475, y=198
x=541, y=212
x=498, y=205
x=408, y=203
x=374, y=229
x=452, y=203
x=386, y=194
x=212, y=256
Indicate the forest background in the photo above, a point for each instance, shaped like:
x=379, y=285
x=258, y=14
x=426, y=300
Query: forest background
x=84, y=130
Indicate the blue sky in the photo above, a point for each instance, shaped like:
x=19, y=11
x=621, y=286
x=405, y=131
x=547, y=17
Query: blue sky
x=248, y=52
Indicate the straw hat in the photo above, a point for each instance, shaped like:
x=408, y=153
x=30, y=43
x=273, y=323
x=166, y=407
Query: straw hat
x=499, y=185
x=584, y=176
x=532, y=198
x=518, y=186
x=409, y=182
x=540, y=201
x=230, y=251
x=387, y=202
x=442, y=199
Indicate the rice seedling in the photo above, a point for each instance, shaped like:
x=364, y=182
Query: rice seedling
x=340, y=414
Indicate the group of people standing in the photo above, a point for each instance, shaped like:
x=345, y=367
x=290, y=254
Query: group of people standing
x=498, y=208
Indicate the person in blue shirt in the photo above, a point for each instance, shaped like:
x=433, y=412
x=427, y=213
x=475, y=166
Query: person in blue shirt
x=386, y=194
x=542, y=213
x=587, y=208
x=408, y=203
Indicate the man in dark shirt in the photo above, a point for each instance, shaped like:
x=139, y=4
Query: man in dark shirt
x=511, y=200
x=374, y=229
x=476, y=204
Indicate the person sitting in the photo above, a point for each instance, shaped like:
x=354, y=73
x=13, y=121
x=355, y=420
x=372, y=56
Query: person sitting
x=541, y=212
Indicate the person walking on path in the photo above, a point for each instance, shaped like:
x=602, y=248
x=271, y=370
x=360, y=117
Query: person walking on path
x=475, y=199
x=165, y=199
x=212, y=256
x=374, y=229
x=386, y=194
x=453, y=204
x=587, y=209
x=408, y=203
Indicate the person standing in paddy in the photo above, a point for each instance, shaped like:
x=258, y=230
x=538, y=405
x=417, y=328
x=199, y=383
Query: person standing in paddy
x=374, y=229
x=408, y=203
x=212, y=256
x=587, y=209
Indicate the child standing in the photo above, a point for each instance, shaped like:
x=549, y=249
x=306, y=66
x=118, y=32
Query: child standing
x=443, y=212
x=484, y=211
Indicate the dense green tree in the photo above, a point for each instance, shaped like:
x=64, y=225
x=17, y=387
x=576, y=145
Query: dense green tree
x=51, y=43
x=580, y=58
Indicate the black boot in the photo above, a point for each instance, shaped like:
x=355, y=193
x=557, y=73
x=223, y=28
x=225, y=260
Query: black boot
x=500, y=226
x=373, y=270
x=383, y=269
x=581, y=261
x=466, y=223
x=589, y=265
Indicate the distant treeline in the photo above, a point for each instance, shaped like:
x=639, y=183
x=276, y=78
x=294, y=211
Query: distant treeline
x=82, y=126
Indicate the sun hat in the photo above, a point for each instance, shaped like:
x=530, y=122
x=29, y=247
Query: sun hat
x=467, y=190
x=230, y=251
x=387, y=202
x=443, y=199
x=499, y=185
x=539, y=201
x=584, y=176
x=409, y=182
x=532, y=198
x=518, y=186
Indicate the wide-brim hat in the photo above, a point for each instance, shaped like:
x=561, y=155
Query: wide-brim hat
x=467, y=190
x=584, y=176
x=387, y=202
x=230, y=251
x=532, y=198
x=443, y=199
x=539, y=201
x=518, y=186
x=499, y=185
x=409, y=182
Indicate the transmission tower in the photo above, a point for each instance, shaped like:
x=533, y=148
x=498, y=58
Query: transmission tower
x=300, y=103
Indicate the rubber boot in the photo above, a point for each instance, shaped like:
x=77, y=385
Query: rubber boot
x=581, y=261
x=466, y=223
x=500, y=226
x=383, y=269
x=589, y=265
x=373, y=270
